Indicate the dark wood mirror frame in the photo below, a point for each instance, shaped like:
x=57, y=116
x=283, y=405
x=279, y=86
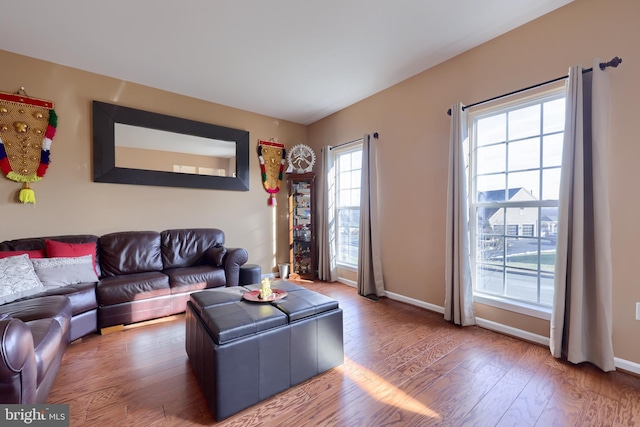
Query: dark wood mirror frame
x=105, y=116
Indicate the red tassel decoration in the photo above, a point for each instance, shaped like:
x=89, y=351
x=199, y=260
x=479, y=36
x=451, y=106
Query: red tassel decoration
x=272, y=200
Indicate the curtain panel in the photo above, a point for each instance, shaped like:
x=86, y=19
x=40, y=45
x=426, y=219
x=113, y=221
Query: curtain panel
x=370, y=281
x=581, y=323
x=325, y=212
x=458, y=303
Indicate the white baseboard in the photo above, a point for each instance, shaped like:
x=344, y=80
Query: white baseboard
x=347, y=282
x=627, y=365
x=622, y=364
x=418, y=303
x=514, y=332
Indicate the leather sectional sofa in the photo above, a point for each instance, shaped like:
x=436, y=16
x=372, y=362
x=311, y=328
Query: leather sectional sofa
x=142, y=275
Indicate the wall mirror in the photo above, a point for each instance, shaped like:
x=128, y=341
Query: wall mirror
x=140, y=147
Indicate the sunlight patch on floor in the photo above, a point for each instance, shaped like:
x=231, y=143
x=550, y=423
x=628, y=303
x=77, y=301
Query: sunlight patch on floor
x=383, y=391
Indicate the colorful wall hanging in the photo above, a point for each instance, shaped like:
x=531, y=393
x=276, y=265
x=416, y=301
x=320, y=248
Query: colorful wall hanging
x=27, y=128
x=272, y=156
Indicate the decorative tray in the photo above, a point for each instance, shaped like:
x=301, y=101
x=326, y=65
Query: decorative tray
x=276, y=294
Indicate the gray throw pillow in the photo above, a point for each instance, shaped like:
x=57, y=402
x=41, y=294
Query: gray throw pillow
x=18, y=279
x=64, y=271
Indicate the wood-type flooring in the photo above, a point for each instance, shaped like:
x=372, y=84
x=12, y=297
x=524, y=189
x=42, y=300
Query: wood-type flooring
x=404, y=366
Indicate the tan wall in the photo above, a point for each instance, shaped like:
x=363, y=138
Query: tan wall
x=348, y=274
x=69, y=202
x=414, y=132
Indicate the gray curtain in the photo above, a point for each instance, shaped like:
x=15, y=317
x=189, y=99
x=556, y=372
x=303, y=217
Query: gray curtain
x=325, y=212
x=581, y=323
x=370, y=282
x=458, y=302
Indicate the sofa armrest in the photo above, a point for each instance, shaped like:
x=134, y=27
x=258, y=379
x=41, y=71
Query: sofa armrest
x=233, y=259
x=18, y=370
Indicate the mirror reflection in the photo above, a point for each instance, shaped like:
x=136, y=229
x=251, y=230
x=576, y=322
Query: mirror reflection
x=153, y=149
x=139, y=147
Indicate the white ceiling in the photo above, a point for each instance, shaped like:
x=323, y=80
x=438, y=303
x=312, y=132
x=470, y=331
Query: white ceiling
x=298, y=60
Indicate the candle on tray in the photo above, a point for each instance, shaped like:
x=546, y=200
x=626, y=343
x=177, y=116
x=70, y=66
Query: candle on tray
x=265, y=288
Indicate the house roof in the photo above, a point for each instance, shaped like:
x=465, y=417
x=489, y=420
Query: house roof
x=497, y=195
x=547, y=214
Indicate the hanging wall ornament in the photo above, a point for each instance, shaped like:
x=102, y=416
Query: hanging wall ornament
x=301, y=159
x=272, y=156
x=27, y=128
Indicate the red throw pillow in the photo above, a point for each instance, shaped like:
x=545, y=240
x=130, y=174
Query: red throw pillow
x=61, y=249
x=38, y=253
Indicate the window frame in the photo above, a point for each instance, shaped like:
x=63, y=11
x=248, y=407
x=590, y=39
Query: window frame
x=337, y=152
x=514, y=103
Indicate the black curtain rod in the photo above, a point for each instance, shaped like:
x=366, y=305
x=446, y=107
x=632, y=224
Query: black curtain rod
x=613, y=63
x=375, y=135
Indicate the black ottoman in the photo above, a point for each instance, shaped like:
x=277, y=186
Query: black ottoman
x=315, y=324
x=243, y=352
x=250, y=274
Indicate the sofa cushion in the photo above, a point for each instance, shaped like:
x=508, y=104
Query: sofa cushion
x=131, y=287
x=48, y=339
x=130, y=252
x=187, y=247
x=189, y=279
x=57, y=272
x=57, y=307
x=82, y=296
x=17, y=278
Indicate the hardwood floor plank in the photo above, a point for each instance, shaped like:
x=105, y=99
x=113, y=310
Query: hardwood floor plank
x=598, y=411
x=432, y=353
x=533, y=357
x=563, y=408
x=629, y=400
x=454, y=394
x=404, y=366
x=531, y=401
x=490, y=409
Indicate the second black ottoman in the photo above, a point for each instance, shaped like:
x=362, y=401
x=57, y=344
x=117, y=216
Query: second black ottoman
x=250, y=274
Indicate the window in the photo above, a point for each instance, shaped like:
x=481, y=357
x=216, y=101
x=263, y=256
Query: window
x=516, y=153
x=347, y=165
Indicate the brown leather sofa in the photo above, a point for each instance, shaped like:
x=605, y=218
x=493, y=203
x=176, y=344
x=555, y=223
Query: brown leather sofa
x=143, y=275
x=34, y=335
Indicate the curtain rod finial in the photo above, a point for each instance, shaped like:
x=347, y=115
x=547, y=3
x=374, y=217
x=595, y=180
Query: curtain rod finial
x=375, y=135
x=613, y=63
x=449, y=111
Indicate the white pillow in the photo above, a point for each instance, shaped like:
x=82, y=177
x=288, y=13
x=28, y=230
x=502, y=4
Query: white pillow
x=18, y=279
x=64, y=271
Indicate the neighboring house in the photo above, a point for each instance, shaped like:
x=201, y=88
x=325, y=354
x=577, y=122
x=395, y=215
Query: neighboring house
x=519, y=221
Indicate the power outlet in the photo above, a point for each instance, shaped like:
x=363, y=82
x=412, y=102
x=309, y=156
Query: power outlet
x=638, y=311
